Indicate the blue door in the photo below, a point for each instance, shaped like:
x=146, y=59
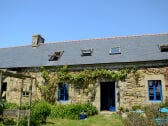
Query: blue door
x=107, y=98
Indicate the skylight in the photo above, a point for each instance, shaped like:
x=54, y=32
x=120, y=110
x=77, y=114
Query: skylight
x=115, y=50
x=86, y=52
x=56, y=56
x=163, y=48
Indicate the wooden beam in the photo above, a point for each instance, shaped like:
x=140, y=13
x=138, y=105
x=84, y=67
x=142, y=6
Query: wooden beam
x=30, y=98
x=20, y=102
x=14, y=74
x=0, y=85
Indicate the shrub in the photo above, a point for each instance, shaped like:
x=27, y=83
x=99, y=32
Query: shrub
x=9, y=122
x=40, y=111
x=9, y=105
x=145, y=119
x=136, y=107
x=72, y=111
x=23, y=122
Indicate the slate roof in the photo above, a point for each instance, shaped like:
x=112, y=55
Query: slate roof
x=133, y=49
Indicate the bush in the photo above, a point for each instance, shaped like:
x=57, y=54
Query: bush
x=72, y=111
x=40, y=111
x=23, y=122
x=9, y=122
x=136, y=107
x=144, y=119
x=9, y=105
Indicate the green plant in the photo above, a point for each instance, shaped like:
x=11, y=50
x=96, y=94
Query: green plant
x=85, y=79
x=121, y=109
x=142, y=119
x=136, y=107
x=23, y=122
x=9, y=122
x=72, y=111
x=9, y=105
x=126, y=109
x=40, y=111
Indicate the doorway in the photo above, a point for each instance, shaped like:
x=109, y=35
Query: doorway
x=107, y=98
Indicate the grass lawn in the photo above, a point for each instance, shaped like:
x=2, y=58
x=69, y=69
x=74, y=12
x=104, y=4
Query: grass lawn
x=98, y=120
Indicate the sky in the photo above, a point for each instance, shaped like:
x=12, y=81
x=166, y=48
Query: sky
x=64, y=20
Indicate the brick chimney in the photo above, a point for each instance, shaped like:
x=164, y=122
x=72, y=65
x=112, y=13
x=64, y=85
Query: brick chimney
x=37, y=40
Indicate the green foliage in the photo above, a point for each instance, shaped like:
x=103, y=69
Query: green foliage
x=142, y=119
x=49, y=85
x=164, y=104
x=9, y=105
x=116, y=116
x=83, y=79
x=136, y=107
x=72, y=111
x=121, y=109
x=98, y=120
x=40, y=111
x=23, y=122
x=9, y=122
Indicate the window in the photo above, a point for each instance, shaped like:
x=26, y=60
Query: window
x=56, y=56
x=86, y=52
x=25, y=93
x=63, y=92
x=163, y=48
x=155, y=90
x=115, y=50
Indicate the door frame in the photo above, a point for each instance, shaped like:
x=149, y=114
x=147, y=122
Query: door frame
x=115, y=97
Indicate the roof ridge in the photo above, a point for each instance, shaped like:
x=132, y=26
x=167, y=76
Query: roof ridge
x=107, y=38
x=15, y=46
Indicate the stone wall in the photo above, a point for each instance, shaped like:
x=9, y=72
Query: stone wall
x=132, y=91
x=136, y=93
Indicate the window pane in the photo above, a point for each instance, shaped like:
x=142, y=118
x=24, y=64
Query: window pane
x=151, y=97
x=115, y=50
x=150, y=84
x=151, y=92
x=158, y=97
x=61, y=97
x=158, y=90
x=63, y=92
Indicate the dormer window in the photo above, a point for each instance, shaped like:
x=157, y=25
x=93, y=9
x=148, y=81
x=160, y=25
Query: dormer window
x=56, y=56
x=115, y=50
x=86, y=52
x=163, y=48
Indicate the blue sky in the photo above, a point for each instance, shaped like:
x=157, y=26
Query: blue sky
x=61, y=20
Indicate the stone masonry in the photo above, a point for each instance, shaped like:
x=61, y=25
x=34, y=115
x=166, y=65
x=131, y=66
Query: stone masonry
x=132, y=91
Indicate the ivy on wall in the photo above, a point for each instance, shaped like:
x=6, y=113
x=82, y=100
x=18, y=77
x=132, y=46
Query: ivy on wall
x=85, y=79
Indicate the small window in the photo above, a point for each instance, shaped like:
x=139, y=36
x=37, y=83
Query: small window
x=56, y=56
x=86, y=52
x=25, y=93
x=163, y=48
x=63, y=92
x=155, y=90
x=115, y=50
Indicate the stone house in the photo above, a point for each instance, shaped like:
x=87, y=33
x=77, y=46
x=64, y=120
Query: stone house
x=148, y=53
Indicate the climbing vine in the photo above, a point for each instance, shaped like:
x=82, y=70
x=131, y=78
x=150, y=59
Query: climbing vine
x=85, y=79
